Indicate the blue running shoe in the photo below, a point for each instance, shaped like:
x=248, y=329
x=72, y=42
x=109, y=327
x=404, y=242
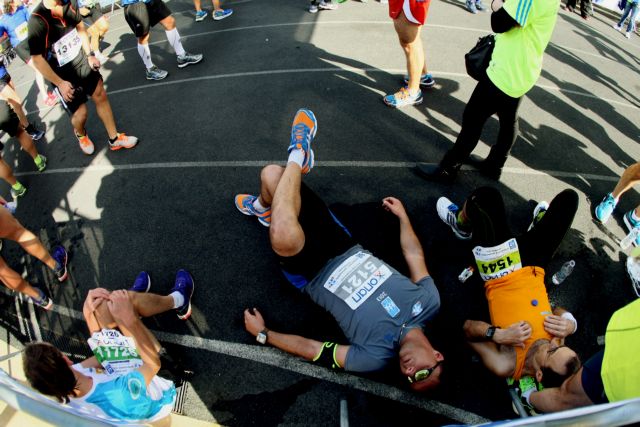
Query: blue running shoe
x=631, y=224
x=43, y=300
x=219, y=15
x=605, y=208
x=200, y=15
x=403, y=98
x=244, y=203
x=59, y=254
x=303, y=130
x=426, y=80
x=184, y=284
x=142, y=283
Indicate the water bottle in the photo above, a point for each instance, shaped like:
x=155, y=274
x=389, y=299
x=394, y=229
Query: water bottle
x=630, y=238
x=566, y=270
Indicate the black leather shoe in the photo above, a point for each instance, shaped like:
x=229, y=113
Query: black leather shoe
x=435, y=173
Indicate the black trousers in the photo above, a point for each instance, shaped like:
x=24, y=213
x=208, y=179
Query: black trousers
x=486, y=100
x=485, y=210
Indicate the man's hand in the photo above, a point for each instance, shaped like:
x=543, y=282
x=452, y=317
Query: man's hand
x=94, y=299
x=66, y=90
x=94, y=63
x=558, y=326
x=121, y=308
x=515, y=335
x=394, y=206
x=253, y=322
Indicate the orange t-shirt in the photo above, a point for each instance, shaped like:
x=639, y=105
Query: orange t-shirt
x=520, y=295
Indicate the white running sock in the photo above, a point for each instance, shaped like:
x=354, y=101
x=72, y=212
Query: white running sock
x=296, y=156
x=174, y=40
x=145, y=54
x=178, y=299
x=258, y=206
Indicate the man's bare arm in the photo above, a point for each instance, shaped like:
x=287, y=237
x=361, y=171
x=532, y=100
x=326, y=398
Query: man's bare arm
x=294, y=344
x=411, y=247
x=500, y=362
x=568, y=396
x=129, y=323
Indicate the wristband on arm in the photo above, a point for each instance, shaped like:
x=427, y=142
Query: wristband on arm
x=568, y=315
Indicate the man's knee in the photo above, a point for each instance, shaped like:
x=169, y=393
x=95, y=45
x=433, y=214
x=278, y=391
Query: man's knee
x=99, y=94
x=169, y=23
x=634, y=171
x=270, y=175
x=286, y=237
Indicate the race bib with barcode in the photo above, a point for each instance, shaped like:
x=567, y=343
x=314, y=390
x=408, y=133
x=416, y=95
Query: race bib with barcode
x=68, y=47
x=22, y=31
x=116, y=353
x=497, y=261
x=357, y=278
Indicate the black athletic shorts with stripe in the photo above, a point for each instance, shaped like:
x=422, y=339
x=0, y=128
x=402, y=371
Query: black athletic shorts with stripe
x=142, y=16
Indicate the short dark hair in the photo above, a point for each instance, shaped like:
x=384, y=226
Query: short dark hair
x=48, y=372
x=551, y=378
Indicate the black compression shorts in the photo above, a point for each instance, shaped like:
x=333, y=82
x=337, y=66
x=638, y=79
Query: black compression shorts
x=325, y=238
x=142, y=16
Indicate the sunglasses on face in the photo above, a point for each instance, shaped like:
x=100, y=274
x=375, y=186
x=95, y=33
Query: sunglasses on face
x=423, y=374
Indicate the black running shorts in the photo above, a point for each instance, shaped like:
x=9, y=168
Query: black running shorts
x=325, y=238
x=95, y=13
x=22, y=50
x=4, y=81
x=85, y=80
x=142, y=16
x=9, y=121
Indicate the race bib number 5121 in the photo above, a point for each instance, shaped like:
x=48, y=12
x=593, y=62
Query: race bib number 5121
x=357, y=278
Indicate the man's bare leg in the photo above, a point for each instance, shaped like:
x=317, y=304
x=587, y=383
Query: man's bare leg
x=409, y=37
x=14, y=281
x=11, y=229
x=286, y=234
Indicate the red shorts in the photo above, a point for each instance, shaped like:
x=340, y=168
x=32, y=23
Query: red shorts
x=416, y=11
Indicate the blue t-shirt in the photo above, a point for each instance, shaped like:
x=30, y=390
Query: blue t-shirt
x=374, y=305
x=126, y=397
x=15, y=25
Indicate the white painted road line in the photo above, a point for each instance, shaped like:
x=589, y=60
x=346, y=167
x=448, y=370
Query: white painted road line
x=98, y=168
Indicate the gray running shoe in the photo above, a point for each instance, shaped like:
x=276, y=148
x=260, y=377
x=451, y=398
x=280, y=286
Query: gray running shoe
x=155, y=73
x=189, y=58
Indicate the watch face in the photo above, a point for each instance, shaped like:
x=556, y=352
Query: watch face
x=490, y=332
x=261, y=338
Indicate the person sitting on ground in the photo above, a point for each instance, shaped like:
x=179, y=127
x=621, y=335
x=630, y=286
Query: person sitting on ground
x=138, y=395
x=629, y=178
x=381, y=312
x=10, y=124
x=141, y=17
x=611, y=375
x=525, y=336
x=11, y=229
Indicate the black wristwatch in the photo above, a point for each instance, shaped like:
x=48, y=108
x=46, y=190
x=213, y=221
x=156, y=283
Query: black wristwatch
x=262, y=336
x=490, y=332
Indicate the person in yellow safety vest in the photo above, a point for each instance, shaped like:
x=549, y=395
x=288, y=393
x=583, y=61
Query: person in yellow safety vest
x=611, y=375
